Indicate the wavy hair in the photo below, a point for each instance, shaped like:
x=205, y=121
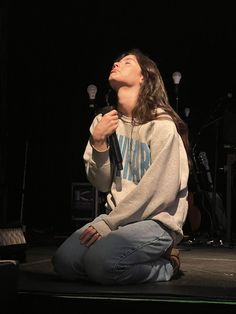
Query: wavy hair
x=153, y=95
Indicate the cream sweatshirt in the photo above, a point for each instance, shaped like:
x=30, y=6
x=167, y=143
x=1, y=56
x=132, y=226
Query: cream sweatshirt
x=153, y=182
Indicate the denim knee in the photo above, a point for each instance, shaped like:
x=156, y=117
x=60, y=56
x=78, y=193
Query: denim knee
x=63, y=266
x=59, y=265
x=99, y=268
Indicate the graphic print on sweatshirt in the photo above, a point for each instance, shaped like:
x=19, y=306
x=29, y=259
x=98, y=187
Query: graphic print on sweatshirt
x=136, y=158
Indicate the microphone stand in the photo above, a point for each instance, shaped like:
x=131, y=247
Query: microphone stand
x=176, y=78
x=176, y=98
x=215, y=232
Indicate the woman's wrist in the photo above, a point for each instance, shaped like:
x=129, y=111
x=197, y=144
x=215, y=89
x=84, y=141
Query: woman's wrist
x=100, y=145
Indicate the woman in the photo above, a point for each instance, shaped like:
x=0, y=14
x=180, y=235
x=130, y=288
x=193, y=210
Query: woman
x=147, y=200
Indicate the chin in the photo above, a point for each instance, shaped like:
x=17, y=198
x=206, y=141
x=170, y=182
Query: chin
x=114, y=83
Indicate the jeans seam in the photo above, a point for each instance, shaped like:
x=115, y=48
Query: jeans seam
x=136, y=249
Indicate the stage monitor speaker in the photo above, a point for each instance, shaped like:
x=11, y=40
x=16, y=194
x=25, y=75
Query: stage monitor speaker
x=12, y=244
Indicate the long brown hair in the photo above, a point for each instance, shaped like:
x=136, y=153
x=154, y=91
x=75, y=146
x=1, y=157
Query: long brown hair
x=153, y=95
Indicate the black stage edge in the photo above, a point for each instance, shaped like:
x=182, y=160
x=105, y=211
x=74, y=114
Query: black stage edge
x=126, y=304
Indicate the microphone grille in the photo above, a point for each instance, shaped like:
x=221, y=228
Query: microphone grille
x=92, y=91
x=176, y=77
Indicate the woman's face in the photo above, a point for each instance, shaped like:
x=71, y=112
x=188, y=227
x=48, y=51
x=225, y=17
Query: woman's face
x=126, y=72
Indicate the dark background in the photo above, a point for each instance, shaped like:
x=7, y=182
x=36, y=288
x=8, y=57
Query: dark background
x=51, y=53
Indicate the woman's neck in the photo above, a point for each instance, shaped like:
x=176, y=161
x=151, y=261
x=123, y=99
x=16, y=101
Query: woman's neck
x=127, y=100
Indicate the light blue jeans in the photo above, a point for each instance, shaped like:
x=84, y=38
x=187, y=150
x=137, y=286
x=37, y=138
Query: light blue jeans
x=129, y=255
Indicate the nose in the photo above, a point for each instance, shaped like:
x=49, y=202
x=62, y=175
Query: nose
x=115, y=65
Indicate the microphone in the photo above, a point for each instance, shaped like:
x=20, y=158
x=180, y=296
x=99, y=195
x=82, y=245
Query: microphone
x=176, y=78
x=204, y=160
x=92, y=91
x=114, y=144
x=187, y=112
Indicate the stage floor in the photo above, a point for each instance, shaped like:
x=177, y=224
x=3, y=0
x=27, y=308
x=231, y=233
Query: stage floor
x=207, y=282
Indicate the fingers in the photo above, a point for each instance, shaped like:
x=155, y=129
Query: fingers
x=106, y=126
x=93, y=239
x=113, y=113
x=89, y=236
x=111, y=119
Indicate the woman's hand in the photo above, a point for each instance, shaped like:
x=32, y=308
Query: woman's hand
x=105, y=127
x=89, y=236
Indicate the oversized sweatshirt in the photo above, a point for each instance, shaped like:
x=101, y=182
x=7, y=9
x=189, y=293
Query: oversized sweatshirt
x=153, y=182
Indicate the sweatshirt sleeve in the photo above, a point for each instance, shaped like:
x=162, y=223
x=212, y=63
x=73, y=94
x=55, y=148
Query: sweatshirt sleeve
x=97, y=164
x=159, y=186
